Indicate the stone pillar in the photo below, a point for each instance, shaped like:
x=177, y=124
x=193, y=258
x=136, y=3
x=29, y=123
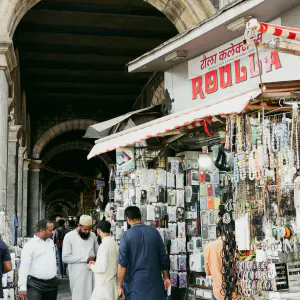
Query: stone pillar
x=33, y=196
x=20, y=189
x=12, y=173
x=25, y=198
x=3, y=137
x=7, y=63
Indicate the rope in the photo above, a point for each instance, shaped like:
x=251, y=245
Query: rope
x=67, y=174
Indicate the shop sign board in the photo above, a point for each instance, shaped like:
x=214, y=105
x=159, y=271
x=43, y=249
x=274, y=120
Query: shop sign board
x=227, y=71
x=125, y=160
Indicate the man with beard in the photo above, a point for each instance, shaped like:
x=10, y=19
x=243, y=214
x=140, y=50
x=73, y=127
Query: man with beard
x=79, y=248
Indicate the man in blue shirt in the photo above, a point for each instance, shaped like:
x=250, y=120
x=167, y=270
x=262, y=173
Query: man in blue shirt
x=142, y=260
x=5, y=261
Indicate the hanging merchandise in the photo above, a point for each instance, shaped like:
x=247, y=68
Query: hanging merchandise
x=244, y=190
x=259, y=210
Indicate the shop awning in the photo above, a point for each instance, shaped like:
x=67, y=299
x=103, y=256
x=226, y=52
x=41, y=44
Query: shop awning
x=174, y=121
x=103, y=129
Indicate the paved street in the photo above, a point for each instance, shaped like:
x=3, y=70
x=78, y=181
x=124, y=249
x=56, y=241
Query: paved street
x=64, y=290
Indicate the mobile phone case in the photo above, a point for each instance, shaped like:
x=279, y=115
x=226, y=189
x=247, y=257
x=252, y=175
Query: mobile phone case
x=209, y=189
x=210, y=203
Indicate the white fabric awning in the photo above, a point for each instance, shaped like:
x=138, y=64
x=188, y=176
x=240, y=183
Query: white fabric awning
x=103, y=129
x=165, y=124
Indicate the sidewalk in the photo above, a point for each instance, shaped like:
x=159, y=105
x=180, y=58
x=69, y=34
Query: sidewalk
x=64, y=289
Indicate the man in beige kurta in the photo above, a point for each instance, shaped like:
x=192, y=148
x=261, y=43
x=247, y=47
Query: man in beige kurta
x=80, y=247
x=105, y=268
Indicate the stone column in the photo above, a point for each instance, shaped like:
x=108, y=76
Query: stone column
x=25, y=198
x=7, y=63
x=20, y=189
x=12, y=172
x=3, y=137
x=33, y=196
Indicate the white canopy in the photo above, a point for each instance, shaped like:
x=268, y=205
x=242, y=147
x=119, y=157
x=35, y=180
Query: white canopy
x=174, y=121
x=103, y=129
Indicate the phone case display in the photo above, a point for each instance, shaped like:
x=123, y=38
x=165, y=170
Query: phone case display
x=174, y=279
x=182, y=280
x=208, y=226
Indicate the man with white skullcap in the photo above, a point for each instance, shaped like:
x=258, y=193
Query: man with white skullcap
x=79, y=248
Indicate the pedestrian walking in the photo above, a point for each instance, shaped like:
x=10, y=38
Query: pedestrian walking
x=143, y=265
x=79, y=248
x=5, y=262
x=58, y=239
x=37, y=275
x=106, y=266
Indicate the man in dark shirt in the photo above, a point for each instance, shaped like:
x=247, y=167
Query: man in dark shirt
x=142, y=260
x=58, y=239
x=5, y=261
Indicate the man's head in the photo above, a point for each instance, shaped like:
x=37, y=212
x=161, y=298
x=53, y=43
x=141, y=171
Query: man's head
x=44, y=229
x=84, y=227
x=61, y=223
x=103, y=229
x=133, y=215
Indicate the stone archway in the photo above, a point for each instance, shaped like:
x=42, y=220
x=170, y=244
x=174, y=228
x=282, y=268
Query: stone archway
x=53, y=179
x=182, y=13
x=74, y=145
x=80, y=124
x=11, y=12
x=57, y=194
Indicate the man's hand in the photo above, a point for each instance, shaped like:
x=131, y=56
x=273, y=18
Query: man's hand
x=90, y=258
x=167, y=283
x=121, y=293
x=22, y=295
x=89, y=265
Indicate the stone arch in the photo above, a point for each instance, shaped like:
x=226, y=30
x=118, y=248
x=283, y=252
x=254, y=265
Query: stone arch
x=184, y=13
x=77, y=124
x=11, y=13
x=74, y=145
x=61, y=202
x=57, y=194
x=48, y=183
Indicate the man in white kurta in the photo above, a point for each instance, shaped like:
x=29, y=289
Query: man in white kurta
x=80, y=247
x=106, y=266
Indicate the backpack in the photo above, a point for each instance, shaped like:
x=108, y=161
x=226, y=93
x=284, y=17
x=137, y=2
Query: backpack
x=60, y=234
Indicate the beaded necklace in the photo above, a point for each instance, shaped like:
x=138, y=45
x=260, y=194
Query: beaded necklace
x=236, y=177
x=283, y=137
x=275, y=138
x=251, y=166
x=257, y=170
x=267, y=142
x=295, y=125
x=228, y=135
x=240, y=137
x=242, y=167
x=253, y=131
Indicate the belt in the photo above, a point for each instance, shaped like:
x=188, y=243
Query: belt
x=43, y=280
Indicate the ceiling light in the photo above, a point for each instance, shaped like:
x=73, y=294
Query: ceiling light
x=239, y=24
x=174, y=56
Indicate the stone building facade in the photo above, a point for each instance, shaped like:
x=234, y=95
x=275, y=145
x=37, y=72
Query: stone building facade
x=26, y=136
